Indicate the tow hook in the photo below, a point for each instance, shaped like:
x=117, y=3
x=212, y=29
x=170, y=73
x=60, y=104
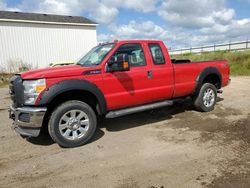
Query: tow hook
x=219, y=91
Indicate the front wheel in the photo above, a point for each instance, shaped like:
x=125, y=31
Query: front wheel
x=206, y=99
x=72, y=124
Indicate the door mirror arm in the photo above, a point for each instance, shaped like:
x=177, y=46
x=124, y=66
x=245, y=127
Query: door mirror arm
x=118, y=63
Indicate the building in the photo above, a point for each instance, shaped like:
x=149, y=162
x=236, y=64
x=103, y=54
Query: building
x=40, y=39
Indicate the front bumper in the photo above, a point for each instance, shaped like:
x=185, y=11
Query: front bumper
x=27, y=121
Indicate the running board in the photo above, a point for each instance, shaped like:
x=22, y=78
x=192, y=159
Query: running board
x=123, y=112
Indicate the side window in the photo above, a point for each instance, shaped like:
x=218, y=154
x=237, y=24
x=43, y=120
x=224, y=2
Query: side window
x=135, y=54
x=157, y=54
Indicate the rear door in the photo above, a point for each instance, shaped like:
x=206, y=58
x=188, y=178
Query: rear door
x=161, y=71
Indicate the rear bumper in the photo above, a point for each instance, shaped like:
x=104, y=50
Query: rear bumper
x=27, y=121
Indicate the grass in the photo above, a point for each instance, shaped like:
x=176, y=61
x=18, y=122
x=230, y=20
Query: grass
x=4, y=79
x=239, y=61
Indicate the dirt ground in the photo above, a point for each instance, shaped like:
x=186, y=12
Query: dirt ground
x=169, y=147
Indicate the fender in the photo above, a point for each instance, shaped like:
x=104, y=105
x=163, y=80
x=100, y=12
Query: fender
x=207, y=71
x=68, y=85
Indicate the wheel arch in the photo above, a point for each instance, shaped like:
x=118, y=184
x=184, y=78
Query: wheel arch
x=208, y=75
x=76, y=88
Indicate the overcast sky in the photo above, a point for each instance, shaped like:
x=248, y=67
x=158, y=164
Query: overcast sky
x=180, y=23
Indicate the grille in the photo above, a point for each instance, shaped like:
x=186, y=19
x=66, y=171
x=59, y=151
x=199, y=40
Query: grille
x=12, y=92
x=16, y=90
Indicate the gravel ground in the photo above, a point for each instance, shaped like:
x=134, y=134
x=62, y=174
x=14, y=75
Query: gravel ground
x=169, y=147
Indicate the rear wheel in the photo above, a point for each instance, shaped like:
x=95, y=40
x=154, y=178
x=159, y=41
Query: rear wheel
x=206, y=99
x=72, y=124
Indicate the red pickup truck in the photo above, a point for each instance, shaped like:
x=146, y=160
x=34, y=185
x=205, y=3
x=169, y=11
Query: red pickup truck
x=111, y=80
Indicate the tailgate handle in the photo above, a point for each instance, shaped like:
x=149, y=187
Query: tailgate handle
x=150, y=74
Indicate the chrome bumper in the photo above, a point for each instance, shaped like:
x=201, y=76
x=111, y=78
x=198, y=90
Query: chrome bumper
x=27, y=121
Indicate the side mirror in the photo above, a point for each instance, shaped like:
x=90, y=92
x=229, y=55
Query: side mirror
x=118, y=63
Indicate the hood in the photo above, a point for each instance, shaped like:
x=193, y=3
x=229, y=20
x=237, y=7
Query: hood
x=54, y=72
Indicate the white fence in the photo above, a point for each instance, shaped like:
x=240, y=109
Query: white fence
x=231, y=46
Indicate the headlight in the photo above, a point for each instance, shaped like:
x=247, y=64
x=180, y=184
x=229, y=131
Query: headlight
x=32, y=88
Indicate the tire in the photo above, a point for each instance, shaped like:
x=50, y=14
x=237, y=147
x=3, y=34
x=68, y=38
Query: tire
x=72, y=124
x=206, y=98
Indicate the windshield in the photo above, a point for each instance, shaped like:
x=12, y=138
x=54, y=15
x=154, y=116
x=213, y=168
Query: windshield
x=96, y=55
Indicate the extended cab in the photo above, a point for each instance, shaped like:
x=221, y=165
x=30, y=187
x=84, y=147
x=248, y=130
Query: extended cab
x=112, y=80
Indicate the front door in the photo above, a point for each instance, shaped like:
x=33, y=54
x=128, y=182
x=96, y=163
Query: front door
x=130, y=88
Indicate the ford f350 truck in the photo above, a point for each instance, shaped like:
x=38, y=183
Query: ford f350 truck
x=111, y=80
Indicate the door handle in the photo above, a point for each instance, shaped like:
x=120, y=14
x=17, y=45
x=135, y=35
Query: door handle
x=150, y=75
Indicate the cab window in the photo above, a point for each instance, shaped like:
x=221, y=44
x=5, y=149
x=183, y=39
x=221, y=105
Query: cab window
x=156, y=54
x=135, y=54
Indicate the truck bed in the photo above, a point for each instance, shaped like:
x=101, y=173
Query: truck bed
x=187, y=72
